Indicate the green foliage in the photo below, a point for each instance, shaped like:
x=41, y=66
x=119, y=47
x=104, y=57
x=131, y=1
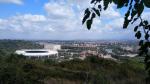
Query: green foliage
x=102, y=71
x=138, y=35
x=90, y=14
x=86, y=15
x=15, y=69
x=134, y=12
x=89, y=23
x=11, y=45
x=147, y=3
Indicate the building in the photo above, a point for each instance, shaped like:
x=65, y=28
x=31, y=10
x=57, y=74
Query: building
x=80, y=47
x=38, y=53
x=51, y=46
x=85, y=54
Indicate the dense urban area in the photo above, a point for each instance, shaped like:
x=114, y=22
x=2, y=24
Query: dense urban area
x=115, y=50
x=70, y=62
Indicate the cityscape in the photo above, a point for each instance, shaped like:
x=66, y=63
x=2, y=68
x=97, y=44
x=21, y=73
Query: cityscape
x=68, y=50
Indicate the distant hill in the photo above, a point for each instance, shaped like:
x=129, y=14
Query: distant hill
x=12, y=45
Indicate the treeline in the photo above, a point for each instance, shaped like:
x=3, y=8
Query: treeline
x=16, y=69
x=12, y=45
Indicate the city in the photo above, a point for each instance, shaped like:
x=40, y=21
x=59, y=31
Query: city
x=67, y=50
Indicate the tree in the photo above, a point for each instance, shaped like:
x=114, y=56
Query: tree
x=132, y=15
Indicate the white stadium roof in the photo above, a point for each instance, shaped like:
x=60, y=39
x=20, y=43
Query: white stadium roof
x=36, y=52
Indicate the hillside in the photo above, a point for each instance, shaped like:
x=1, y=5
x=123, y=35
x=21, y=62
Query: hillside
x=19, y=70
x=16, y=69
x=12, y=45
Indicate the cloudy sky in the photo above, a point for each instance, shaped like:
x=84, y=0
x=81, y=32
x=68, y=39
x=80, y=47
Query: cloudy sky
x=58, y=20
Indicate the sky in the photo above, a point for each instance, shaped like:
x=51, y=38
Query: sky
x=59, y=20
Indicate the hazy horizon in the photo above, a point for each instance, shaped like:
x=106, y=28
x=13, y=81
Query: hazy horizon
x=74, y=39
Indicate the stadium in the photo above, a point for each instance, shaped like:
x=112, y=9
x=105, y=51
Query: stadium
x=38, y=53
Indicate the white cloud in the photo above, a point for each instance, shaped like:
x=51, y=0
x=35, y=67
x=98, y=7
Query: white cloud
x=30, y=17
x=146, y=15
x=19, y=2
x=23, y=23
x=63, y=21
x=111, y=12
x=58, y=10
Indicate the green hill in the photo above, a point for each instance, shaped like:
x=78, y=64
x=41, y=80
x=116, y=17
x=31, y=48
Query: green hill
x=12, y=45
x=93, y=70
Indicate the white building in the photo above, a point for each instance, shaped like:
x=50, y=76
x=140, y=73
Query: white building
x=38, y=53
x=51, y=46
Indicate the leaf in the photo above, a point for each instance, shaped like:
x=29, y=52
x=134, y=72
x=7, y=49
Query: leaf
x=127, y=14
x=87, y=11
x=96, y=11
x=131, y=1
x=148, y=27
x=126, y=23
x=135, y=19
x=86, y=15
x=139, y=8
x=146, y=36
x=147, y=3
x=100, y=7
x=106, y=3
x=122, y=3
x=141, y=24
x=93, y=1
x=89, y=23
x=85, y=18
x=115, y=1
x=141, y=42
x=135, y=28
x=138, y=35
x=145, y=22
x=93, y=15
x=134, y=12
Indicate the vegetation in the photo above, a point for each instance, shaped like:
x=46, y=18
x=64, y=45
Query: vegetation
x=132, y=15
x=16, y=69
x=11, y=46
